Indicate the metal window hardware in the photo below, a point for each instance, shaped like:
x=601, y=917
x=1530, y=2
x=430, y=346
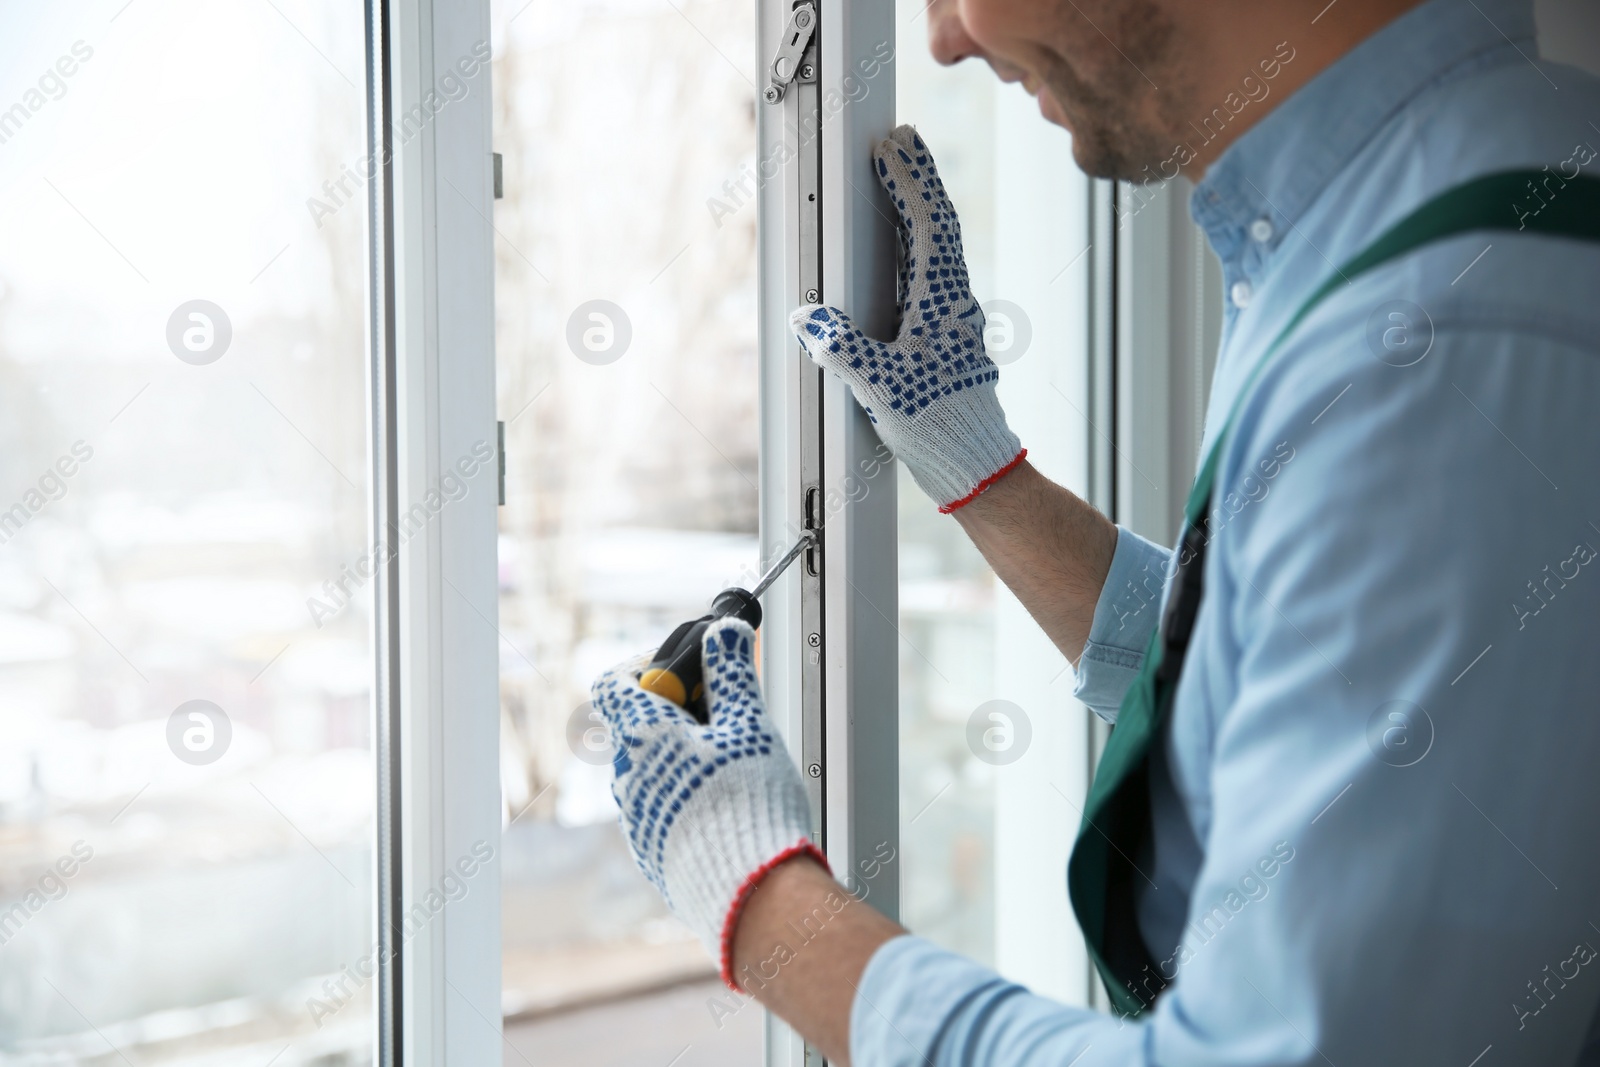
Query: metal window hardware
x=786, y=64
x=796, y=64
x=813, y=521
x=832, y=645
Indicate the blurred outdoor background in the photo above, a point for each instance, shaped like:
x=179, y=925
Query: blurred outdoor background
x=627, y=373
x=164, y=522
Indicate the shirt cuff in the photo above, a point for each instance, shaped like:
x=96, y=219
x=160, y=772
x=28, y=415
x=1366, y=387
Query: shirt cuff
x=1124, y=618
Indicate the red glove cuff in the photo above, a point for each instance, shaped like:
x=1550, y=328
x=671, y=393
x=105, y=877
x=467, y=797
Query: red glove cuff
x=945, y=509
x=803, y=847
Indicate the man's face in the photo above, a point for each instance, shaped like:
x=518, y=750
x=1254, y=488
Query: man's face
x=1062, y=51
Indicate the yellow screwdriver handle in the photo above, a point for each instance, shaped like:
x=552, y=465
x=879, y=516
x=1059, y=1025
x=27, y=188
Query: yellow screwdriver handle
x=663, y=683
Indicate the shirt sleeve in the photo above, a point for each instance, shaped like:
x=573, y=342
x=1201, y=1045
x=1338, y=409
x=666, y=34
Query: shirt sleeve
x=919, y=1005
x=1124, y=618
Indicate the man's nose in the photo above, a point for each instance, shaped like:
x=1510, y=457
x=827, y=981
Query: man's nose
x=947, y=37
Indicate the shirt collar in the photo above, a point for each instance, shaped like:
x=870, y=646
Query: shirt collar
x=1279, y=166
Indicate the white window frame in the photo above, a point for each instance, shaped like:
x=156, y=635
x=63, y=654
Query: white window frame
x=436, y=697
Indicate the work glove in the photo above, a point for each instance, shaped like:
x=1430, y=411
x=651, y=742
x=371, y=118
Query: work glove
x=708, y=810
x=931, y=390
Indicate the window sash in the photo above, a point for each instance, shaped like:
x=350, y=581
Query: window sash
x=436, y=698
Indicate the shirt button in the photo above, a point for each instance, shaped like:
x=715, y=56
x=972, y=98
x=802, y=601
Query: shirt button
x=1240, y=294
x=1261, y=231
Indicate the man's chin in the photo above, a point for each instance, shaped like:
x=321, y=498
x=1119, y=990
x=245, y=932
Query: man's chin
x=1097, y=152
x=1051, y=111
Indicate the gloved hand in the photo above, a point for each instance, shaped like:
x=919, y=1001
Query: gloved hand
x=708, y=810
x=930, y=391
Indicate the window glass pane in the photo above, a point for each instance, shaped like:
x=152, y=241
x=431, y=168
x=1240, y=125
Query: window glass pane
x=947, y=591
x=185, y=767
x=626, y=347
x=993, y=747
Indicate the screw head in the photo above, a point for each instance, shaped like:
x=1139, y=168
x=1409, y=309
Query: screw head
x=802, y=19
x=814, y=640
x=773, y=94
x=812, y=296
x=808, y=72
x=815, y=770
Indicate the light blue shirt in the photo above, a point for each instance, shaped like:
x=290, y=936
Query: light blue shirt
x=1377, y=817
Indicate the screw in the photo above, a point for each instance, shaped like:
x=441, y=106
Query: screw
x=816, y=770
x=773, y=94
x=802, y=19
x=814, y=640
x=812, y=296
x=808, y=72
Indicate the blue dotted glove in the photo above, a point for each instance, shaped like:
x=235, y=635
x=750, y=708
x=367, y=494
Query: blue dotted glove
x=930, y=391
x=708, y=810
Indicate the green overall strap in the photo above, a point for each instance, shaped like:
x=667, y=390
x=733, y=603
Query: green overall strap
x=1101, y=874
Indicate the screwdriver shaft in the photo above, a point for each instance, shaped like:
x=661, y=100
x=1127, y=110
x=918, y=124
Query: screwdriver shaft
x=783, y=563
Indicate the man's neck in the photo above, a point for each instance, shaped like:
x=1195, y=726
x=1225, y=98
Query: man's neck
x=1235, y=56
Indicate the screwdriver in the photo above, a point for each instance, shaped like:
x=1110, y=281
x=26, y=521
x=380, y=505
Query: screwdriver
x=675, y=669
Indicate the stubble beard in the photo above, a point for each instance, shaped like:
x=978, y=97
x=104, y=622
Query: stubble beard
x=1120, y=128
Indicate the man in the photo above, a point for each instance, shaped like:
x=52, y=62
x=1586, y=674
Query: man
x=1350, y=813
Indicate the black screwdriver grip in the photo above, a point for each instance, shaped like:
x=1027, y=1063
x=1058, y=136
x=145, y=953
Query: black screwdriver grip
x=675, y=671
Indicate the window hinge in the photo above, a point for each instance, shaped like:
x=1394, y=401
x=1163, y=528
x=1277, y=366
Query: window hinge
x=499, y=183
x=500, y=450
x=787, y=63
